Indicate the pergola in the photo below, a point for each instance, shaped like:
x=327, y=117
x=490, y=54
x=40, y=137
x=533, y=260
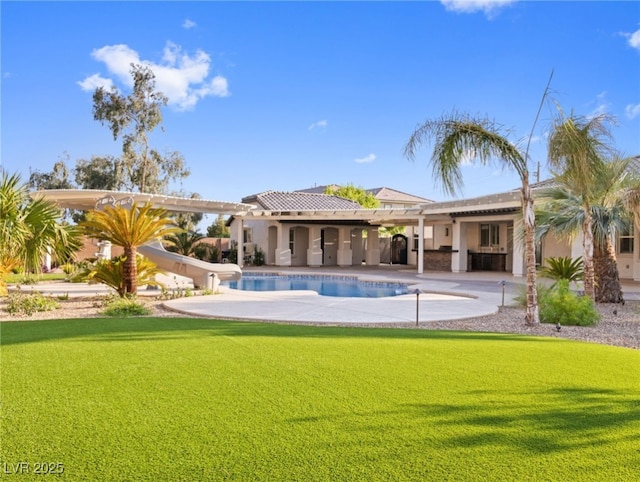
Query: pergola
x=87, y=199
x=414, y=216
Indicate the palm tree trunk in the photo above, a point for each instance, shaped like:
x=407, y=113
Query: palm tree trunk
x=532, y=315
x=587, y=245
x=130, y=271
x=607, y=287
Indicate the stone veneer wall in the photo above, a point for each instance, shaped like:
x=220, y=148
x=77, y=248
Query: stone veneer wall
x=436, y=260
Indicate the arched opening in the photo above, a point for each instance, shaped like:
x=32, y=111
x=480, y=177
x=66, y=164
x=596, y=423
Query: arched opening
x=399, y=249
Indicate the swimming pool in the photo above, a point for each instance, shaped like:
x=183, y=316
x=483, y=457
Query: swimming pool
x=345, y=286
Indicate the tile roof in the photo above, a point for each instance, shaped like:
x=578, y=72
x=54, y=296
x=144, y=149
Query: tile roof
x=388, y=194
x=380, y=193
x=300, y=201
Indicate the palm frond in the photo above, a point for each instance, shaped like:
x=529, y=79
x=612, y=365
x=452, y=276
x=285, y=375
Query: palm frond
x=461, y=138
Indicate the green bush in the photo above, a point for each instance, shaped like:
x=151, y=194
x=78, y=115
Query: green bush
x=207, y=252
x=125, y=307
x=520, y=298
x=28, y=304
x=258, y=258
x=29, y=279
x=560, y=305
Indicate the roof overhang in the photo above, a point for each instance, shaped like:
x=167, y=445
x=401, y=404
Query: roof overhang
x=86, y=199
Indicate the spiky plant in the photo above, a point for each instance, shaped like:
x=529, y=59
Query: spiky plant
x=563, y=268
x=111, y=273
x=129, y=228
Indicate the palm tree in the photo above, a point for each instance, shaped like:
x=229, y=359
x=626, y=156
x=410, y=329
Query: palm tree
x=129, y=227
x=184, y=242
x=577, y=147
x=31, y=228
x=458, y=138
x=614, y=194
x=111, y=273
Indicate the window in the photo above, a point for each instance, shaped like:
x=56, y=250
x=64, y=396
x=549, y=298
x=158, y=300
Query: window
x=489, y=235
x=625, y=240
x=247, y=235
x=292, y=240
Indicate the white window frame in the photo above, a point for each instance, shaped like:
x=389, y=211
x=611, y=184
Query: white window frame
x=626, y=237
x=493, y=235
x=292, y=240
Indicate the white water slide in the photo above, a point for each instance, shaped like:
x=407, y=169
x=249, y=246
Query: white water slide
x=202, y=273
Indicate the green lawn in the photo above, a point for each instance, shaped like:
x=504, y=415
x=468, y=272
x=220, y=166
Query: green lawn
x=13, y=278
x=194, y=399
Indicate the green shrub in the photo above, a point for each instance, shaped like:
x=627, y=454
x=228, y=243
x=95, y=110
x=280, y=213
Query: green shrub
x=560, y=305
x=233, y=255
x=520, y=298
x=28, y=304
x=207, y=252
x=125, y=307
x=258, y=257
x=29, y=279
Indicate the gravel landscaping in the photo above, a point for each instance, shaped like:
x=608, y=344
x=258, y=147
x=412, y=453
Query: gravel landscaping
x=620, y=324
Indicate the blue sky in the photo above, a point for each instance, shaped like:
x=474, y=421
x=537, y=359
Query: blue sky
x=288, y=95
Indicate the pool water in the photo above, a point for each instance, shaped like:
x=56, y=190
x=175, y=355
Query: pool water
x=344, y=286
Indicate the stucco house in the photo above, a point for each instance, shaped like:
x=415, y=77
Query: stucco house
x=307, y=228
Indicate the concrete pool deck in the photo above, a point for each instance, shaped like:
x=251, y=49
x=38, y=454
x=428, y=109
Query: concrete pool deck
x=445, y=296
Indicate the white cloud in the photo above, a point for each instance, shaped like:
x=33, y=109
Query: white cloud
x=94, y=81
x=363, y=160
x=601, y=106
x=322, y=124
x=182, y=77
x=632, y=111
x=187, y=24
x=489, y=7
x=634, y=39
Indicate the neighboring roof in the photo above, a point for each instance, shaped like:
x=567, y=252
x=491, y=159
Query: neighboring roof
x=318, y=189
x=299, y=201
x=392, y=195
x=381, y=193
x=86, y=199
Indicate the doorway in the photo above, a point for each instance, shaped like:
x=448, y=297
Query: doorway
x=399, y=249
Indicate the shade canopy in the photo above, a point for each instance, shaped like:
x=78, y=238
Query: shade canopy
x=86, y=199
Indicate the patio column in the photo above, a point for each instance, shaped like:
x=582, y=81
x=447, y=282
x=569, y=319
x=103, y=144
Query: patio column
x=240, y=238
x=356, y=247
x=577, y=250
x=314, y=251
x=372, y=257
x=420, y=253
x=459, y=245
x=636, y=249
x=518, y=268
x=283, y=253
x=345, y=253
